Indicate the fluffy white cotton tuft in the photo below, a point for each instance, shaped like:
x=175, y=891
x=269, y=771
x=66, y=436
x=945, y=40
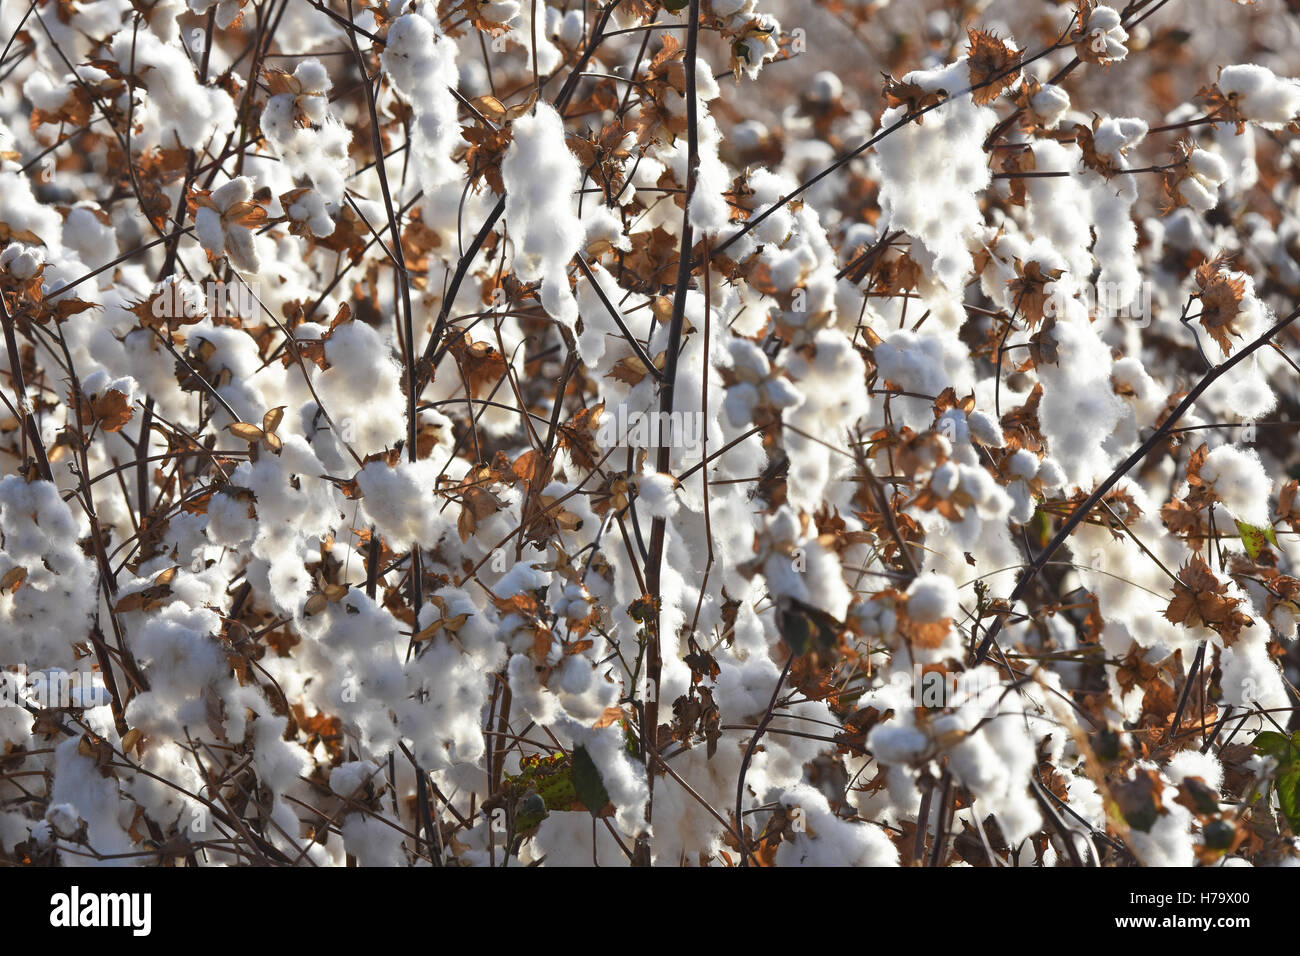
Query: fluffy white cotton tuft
x=541, y=175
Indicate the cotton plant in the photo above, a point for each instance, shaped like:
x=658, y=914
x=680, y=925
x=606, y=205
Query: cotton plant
x=446, y=442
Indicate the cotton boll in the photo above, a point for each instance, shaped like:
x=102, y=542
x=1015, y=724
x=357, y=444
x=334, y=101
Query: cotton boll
x=916, y=363
x=932, y=172
x=310, y=209
x=22, y=261
x=365, y=381
x=932, y=597
x=347, y=779
x=372, y=841
x=501, y=11
x=1049, y=104
x=624, y=779
x=445, y=691
x=1105, y=37
x=565, y=840
x=63, y=819
x=1023, y=464
x=42, y=618
x=1251, y=680
x=82, y=793
x=825, y=87
x=984, y=428
x=1114, y=136
x=1239, y=478
x=399, y=500
x=827, y=840
x=541, y=176
x=1201, y=188
x=1079, y=409
x=93, y=239
x=220, y=229
x=176, y=650
x=1193, y=763
x=952, y=425
x=1018, y=817
x=184, y=111
x=657, y=494
x=991, y=501
x=279, y=763
x=317, y=148
x=896, y=744
x=533, y=698
x=710, y=212
x=226, y=10
x=421, y=63
x=207, y=226
x=1169, y=841
x=1260, y=95
x=599, y=332
x=828, y=408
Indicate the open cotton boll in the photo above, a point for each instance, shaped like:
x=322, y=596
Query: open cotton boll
x=21, y=261
x=93, y=239
x=1114, y=136
x=710, y=212
x=1023, y=464
x=1079, y=410
x=227, y=10
x=932, y=172
x=1260, y=95
x=932, y=597
x=916, y=363
x=896, y=744
x=1251, y=680
x=310, y=209
x=657, y=494
x=1049, y=104
x=1239, y=478
x=541, y=175
x=1201, y=188
x=220, y=224
x=41, y=619
x=399, y=500
x=82, y=793
x=825, y=839
x=1104, y=37
x=365, y=380
x=185, y=111
x=372, y=841
x=309, y=141
x=985, y=429
x=1193, y=763
x=421, y=63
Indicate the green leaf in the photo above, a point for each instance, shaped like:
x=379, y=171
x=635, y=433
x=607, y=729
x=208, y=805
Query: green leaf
x=1253, y=538
x=1288, y=795
x=1272, y=744
x=1287, y=781
x=1042, y=525
x=672, y=6
x=530, y=812
x=550, y=777
x=588, y=786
